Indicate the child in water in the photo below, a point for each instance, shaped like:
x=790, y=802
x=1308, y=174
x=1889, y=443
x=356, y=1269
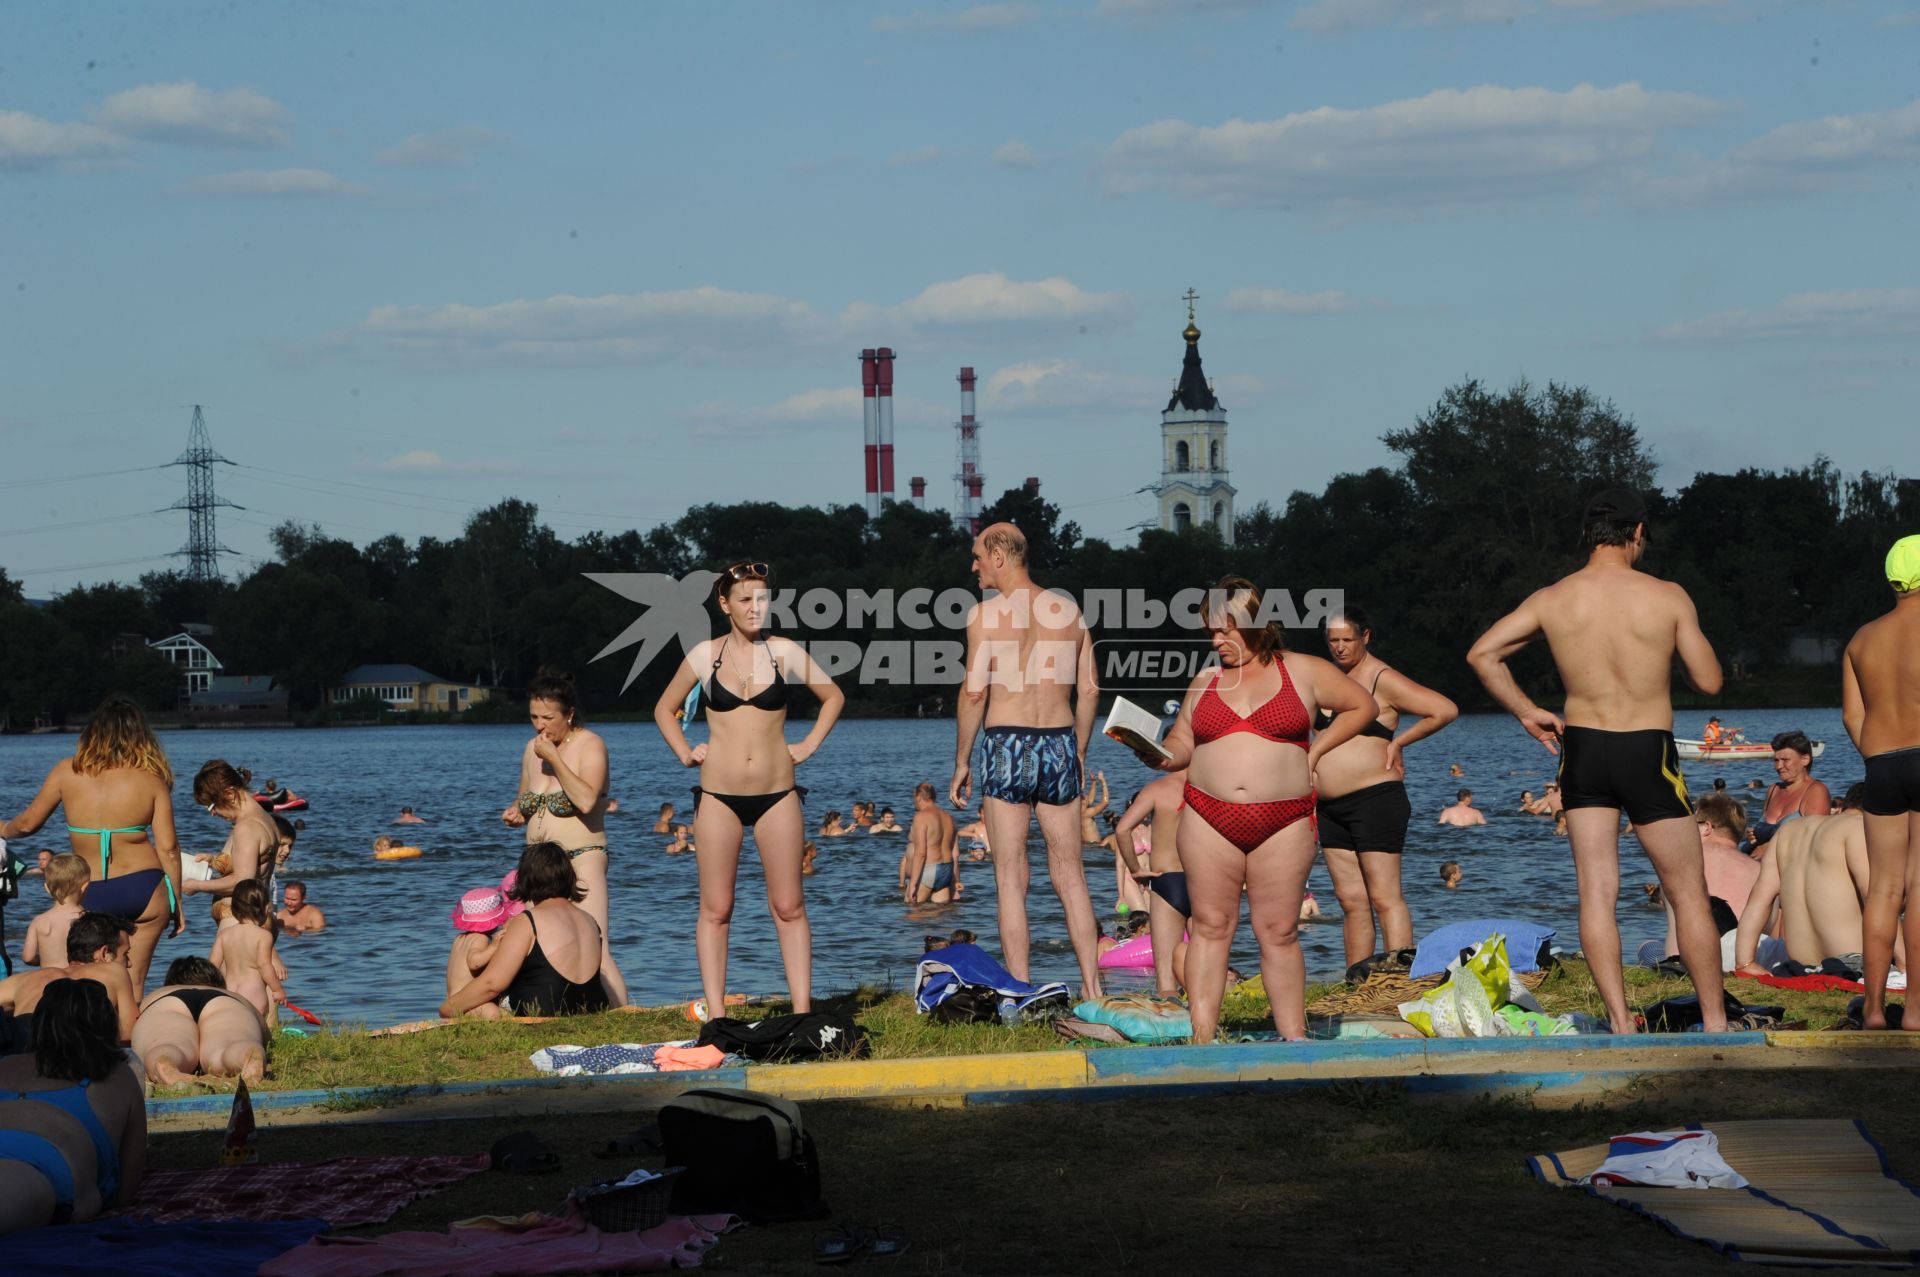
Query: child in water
x=1450, y=874
x=245, y=954
x=65, y=879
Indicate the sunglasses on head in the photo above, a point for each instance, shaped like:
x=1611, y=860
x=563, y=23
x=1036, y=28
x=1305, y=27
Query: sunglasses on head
x=747, y=571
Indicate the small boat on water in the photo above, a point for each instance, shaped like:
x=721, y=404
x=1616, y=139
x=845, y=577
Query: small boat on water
x=276, y=799
x=1698, y=751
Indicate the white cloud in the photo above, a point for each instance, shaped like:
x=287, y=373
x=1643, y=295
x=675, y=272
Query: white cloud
x=1806, y=156
x=450, y=148
x=1860, y=315
x=696, y=323
x=919, y=157
x=27, y=141
x=1455, y=147
x=1334, y=15
x=187, y=113
x=269, y=183
x=1900, y=20
x=1278, y=301
x=424, y=464
x=991, y=298
x=809, y=411
x=1015, y=154
x=1066, y=387
x=977, y=18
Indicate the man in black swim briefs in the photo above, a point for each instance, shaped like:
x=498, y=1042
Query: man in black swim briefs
x=1614, y=632
x=1880, y=704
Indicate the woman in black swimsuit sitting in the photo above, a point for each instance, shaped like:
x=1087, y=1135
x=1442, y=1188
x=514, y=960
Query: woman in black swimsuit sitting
x=193, y=1025
x=547, y=959
x=746, y=770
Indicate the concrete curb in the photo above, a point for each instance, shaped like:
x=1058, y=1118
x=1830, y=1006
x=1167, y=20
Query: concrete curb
x=1436, y=1066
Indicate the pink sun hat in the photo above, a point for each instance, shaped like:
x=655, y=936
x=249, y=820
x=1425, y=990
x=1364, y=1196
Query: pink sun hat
x=483, y=909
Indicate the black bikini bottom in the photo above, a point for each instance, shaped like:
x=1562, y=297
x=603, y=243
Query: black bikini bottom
x=748, y=807
x=195, y=1000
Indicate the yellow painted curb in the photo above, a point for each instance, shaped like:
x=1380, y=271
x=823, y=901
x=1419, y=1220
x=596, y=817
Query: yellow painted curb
x=933, y=1075
x=1885, y=1039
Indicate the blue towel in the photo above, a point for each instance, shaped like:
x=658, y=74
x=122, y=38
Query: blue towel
x=137, y=1248
x=1442, y=946
x=943, y=972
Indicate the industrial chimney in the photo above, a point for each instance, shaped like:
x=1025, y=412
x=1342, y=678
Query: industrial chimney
x=918, y=487
x=968, y=479
x=885, y=358
x=870, y=422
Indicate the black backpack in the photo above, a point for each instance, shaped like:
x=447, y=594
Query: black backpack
x=812, y=1036
x=744, y=1153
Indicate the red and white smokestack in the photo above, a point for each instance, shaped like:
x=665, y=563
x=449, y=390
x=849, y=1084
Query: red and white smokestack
x=918, y=487
x=969, y=479
x=870, y=421
x=885, y=357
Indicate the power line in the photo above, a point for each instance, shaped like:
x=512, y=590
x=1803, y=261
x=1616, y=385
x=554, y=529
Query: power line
x=74, y=478
x=88, y=567
x=76, y=523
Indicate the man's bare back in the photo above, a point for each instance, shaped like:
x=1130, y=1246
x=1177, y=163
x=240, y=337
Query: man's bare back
x=1614, y=631
x=1883, y=660
x=1836, y=884
x=1028, y=657
x=1790, y=856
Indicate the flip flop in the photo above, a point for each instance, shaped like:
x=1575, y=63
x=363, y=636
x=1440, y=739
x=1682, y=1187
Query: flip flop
x=888, y=1240
x=838, y=1245
x=523, y=1153
x=632, y=1144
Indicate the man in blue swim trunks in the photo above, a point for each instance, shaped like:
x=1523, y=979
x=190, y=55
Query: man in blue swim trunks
x=1614, y=632
x=1030, y=680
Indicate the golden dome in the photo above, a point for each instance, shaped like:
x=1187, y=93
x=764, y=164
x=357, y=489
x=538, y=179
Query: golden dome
x=1192, y=334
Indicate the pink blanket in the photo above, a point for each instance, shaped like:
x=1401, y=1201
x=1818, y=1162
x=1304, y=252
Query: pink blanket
x=539, y=1245
x=345, y=1192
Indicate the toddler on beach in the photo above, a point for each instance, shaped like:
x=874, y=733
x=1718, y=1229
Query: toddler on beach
x=479, y=918
x=245, y=954
x=66, y=881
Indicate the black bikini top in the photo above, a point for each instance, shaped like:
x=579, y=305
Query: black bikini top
x=720, y=698
x=1376, y=729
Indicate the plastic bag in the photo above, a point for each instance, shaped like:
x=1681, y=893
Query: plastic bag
x=1465, y=1006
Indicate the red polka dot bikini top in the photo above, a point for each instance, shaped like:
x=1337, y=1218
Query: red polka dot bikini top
x=1283, y=719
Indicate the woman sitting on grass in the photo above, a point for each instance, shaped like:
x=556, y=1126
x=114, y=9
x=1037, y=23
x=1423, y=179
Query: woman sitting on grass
x=194, y=1025
x=547, y=960
x=73, y=1119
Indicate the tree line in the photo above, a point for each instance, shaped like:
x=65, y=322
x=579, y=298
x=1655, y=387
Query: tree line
x=1482, y=504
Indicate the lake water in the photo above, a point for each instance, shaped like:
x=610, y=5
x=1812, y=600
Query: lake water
x=382, y=957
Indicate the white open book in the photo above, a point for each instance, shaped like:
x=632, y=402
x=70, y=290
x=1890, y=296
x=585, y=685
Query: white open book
x=1138, y=729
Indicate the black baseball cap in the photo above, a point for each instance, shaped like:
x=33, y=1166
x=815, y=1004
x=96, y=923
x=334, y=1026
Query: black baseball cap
x=1621, y=506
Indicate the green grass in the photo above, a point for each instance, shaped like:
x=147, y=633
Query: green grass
x=339, y=1059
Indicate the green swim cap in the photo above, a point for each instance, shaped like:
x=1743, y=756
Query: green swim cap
x=1903, y=564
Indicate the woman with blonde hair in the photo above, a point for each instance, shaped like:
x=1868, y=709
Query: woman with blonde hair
x=1245, y=734
x=116, y=792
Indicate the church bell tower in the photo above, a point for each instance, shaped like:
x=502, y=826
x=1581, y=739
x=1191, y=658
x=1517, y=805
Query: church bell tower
x=1193, y=487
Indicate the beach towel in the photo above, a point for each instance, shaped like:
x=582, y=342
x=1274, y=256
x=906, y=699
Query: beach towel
x=345, y=1192
x=1818, y=1192
x=141, y=1248
x=489, y=1247
x=1442, y=947
x=620, y=1058
x=944, y=972
x=1138, y=1017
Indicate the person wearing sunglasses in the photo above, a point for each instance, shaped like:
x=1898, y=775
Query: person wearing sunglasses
x=746, y=773
x=253, y=848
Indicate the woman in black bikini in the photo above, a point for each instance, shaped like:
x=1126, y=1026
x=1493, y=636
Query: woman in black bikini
x=116, y=791
x=193, y=1025
x=746, y=770
x=1363, y=792
x=547, y=959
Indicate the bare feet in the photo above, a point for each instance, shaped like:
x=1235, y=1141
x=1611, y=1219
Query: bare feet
x=166, y=1074
x=253, y=1065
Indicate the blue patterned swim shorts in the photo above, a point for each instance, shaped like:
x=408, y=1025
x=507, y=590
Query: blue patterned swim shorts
x=1031, y=765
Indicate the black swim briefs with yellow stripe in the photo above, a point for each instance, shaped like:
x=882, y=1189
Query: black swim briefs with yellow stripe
x=1634, y=772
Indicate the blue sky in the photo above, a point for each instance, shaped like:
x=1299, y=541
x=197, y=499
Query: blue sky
x=617, y=259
